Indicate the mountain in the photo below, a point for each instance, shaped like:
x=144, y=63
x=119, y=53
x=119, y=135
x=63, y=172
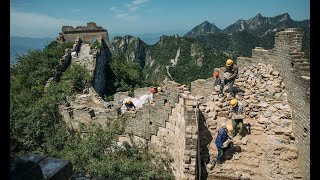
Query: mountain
x=259, y=25
x=237, y=44
x=203, y=28
x=182, y=59
x=133, y=48
x=21, y=45
x=185, y=59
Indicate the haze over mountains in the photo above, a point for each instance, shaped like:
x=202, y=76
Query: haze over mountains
x=21, y=45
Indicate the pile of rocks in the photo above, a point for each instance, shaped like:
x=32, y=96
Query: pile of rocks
x=268, y=151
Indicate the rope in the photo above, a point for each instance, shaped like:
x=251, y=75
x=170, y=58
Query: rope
x=49, y=13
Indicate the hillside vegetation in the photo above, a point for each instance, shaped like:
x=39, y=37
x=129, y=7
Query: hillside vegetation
x=36, y=126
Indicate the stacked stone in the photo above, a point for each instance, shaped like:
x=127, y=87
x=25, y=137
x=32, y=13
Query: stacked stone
x=269, y=151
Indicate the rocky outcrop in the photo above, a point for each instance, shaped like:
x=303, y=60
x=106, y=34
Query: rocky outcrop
x=133, y=48
x=197, y=54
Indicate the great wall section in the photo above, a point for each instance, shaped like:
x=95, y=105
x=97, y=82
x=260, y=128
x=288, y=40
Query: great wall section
x=183, y=123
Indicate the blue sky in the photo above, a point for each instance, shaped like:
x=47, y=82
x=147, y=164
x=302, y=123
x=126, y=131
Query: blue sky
x=44, y=18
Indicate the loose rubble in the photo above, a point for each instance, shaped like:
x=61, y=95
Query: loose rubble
x=268, y=152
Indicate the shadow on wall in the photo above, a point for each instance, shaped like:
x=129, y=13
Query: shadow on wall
x=205, y=139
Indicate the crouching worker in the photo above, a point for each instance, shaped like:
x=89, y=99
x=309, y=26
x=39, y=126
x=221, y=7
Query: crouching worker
x=222, y=142
x=237, y=115
x=130, y=106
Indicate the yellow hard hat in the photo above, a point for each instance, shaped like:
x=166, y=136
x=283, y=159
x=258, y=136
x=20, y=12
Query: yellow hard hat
x=230, y=127
x=159, y=89
x=129, y=102
x=229, y=62
x=233, y=102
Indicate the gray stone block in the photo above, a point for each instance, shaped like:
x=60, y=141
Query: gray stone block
x=25, y=169
x=56, y=169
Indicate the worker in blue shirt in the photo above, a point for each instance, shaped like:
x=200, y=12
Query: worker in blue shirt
x=222, y=141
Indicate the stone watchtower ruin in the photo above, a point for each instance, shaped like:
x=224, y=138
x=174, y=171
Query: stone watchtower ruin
x=86, y=33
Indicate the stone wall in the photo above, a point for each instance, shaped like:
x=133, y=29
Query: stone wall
x=202, y=87
x=287, y=58
x=100, y=70
x=179, y=138
x=296, y=76
x=244, y=62
x=86, y=33
x=145, y=122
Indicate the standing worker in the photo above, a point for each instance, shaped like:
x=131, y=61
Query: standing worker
x=237, y=115
x=233, y=70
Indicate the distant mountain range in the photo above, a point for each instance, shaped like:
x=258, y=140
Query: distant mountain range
x=21, y=45
x=258, y=25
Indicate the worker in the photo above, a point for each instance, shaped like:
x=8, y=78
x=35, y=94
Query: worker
x=233, y=71
x=130, y=106
x=153, y=90
x=159, y=89
x=223, y=141
x=237, y=115
x=217, y=79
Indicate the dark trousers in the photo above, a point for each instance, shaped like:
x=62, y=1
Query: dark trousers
x=220, y=155
x=230, y=88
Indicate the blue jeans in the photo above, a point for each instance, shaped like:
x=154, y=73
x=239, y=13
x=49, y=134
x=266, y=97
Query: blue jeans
x=230, y=88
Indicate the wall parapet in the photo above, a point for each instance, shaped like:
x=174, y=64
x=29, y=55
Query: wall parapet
x=91, y=27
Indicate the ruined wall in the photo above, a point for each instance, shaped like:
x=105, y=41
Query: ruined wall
x=170, y=126
x=296, y=75
x=145, y=122
x=85, y=33
x=100, y=70
x=288, y=59
x=179, y=138
x=202, y=87
x=244, y=62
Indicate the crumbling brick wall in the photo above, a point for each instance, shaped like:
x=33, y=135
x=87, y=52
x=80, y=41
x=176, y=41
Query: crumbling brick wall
x=86, y=33
x=202, y=87
x=287, y=58
x=102, y=58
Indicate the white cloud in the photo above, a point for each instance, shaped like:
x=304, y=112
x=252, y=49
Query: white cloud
x=114, y=9
x=137, y=2
x=129, y=12
x=37, y=25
